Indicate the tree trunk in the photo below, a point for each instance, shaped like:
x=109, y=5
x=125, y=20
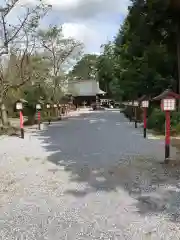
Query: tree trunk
x=4, y=116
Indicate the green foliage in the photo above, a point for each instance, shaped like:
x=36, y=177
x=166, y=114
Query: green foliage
x=106, y=65
x=85, y=68
x=175, y=118
x=129, y=112
x=36, y=60
x=142, y=58
x=156, y=120
x=176, y=129
x=58, y=52
x=175, y=122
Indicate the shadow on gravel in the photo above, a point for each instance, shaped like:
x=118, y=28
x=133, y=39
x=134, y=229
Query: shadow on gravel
x=156, y=187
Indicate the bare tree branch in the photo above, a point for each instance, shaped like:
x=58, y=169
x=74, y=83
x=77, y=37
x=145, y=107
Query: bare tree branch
x=4, y=12
x=7, y=41
x=30, y=20
x=58, y=50
x=9, y=6
x=21, y=64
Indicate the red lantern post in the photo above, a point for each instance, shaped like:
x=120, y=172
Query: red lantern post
x=38, y=108
x=39, y=118
x=145, y=105
x=48, y=106
x=55, y=106
x=135, y=104
x=130, y=116
x=19, y=107
x=168, y=104
x=21, y=124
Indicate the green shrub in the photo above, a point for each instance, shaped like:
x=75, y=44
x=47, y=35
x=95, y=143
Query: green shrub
x=129, y=112
x=175, y=118
x=156, y=120
x=121, y=105
x=176, y=128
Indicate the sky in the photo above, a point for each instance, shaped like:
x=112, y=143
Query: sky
x=93, y=22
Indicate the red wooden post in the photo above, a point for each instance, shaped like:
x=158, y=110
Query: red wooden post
x=48, y=106
x=167, y=136
x=135, y=104
x=145, y=122
x=168, y=103
x=38, y=108
x=39, y=120
x=145, y=105
x=21, y=124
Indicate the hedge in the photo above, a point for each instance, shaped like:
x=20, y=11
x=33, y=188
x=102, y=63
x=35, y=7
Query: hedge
x=155, y=119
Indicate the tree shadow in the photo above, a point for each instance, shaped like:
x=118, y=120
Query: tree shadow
x=166, y=203
x=154, y=186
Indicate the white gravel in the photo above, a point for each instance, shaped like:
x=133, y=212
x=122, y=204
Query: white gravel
x=34, y=203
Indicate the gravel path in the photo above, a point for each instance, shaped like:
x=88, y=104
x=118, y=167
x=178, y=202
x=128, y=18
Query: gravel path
x=90, y=177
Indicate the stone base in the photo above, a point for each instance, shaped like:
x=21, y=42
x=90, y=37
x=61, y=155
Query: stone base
x=171, y=162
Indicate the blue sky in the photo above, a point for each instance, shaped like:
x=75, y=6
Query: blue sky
x=93, y=22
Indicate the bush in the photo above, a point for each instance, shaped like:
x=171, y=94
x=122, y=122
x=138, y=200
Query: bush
x=156, y=120
x=175, y=118
x=175, y=122
x=121, y=105
x=130, y=113
x=175, y=129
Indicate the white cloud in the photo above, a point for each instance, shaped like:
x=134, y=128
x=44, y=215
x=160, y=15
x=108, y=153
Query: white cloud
x=89, y=8
x=80, y=31
x=90, y=21
x=84, y=9
x=90, y=33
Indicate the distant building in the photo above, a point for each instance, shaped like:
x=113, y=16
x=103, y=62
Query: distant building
x=85, y=91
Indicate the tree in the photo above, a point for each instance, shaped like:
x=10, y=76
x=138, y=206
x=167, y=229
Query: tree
x=59, y=51
x=143, y=58
x=7, y=39
x=20, y=39
x=105, y=65
x=85, y=68
x=29, y=20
